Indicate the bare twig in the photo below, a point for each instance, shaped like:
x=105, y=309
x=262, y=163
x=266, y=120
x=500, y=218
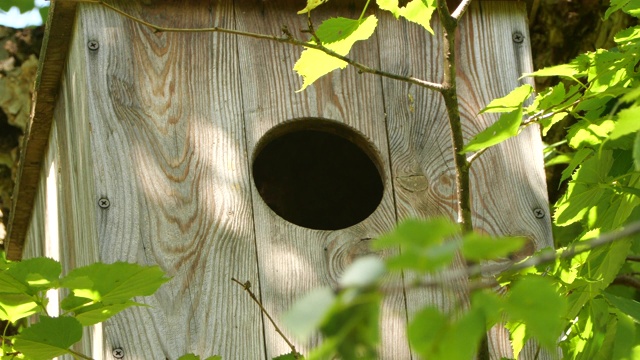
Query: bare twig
x=462, y=8
x=633, y=258
x=627, y=280
x=247, y=287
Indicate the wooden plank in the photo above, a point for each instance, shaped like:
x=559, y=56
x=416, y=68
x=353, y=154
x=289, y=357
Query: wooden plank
x=169, y=154
x=295, y=259
x=508, y=180
x=52, y=60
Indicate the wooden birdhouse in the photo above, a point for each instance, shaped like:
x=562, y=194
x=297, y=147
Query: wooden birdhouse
x=193, y=151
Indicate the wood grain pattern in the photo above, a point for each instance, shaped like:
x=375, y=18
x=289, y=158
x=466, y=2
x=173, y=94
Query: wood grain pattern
x=292, y=259
x=169, y=154
x=508, y=180
x=165, y=125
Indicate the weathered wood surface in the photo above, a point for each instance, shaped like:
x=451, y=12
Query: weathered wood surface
x=293, y=260
x=164, y=125
x=169, y=154
x=508, y=180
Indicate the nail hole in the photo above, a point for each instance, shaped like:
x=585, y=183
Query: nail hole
x=318, y=174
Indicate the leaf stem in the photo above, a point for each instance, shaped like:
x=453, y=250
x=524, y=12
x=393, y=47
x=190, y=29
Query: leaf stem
x=78, y=355
x=247, y=287
x=363, y=10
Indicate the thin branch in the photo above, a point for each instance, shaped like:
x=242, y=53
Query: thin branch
x=247, y=287
x=627, y=280
x=473, y=157
x=633, y=258
x=462, y=8
x=505, y=267
x=288, y=39
x=450, y=97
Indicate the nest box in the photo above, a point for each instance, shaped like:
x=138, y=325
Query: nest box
x=193, y=151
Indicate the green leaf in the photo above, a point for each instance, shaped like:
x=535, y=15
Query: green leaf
x=577, y=159
x=336, y=29
x=311, y=4
x=595, y=275
x=628, y=122
x=511, y=102
x=364, y=272
x=426, y=329
x=433, y=335
x=636, y=152
x=423, y=244
x=307, y=314
x=535, y=301
x=627, y=306
x=389, y=5
x=288, y=356
x=353, y=325
x=548, y=123
x=414, y=232
x=36, y=273
x=14, y=307
x=114, y=283
x=48, y=338
x=419, y=12
x=506, y=127
x=584, y=190
x=189, y=357
x=99, y=312
x=576, y=68
x=314, y=64
x=477, y=247
x=416, y=11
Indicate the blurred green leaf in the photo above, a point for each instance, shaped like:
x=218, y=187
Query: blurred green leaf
x=48, y=338
x=535, y=301
x=308, y=313
x=363, y=272
x=477, y=247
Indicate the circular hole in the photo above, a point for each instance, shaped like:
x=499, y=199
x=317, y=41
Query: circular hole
x=318, y=174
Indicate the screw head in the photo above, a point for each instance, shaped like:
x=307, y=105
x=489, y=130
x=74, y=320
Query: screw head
x=93, y=45
x=104, y=203
x=538, y=213
x=517, y=37
x=118, y=353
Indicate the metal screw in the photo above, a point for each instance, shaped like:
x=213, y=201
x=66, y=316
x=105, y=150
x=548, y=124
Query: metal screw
x=517, y=37
x=93, y=45
x=118, y=353
x=104, y=203
x=539, y=213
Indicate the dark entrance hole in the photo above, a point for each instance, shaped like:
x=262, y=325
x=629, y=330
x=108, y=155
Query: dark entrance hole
x=318, y=174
